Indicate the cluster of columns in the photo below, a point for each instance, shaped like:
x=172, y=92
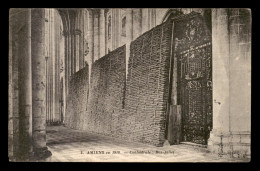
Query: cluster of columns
x=53, y=55
x=96, y=34
x=138, y=21
x=32, y=82
x=72, y=47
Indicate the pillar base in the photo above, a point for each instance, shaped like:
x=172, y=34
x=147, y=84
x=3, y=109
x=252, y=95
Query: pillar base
x=230, y=144
x=42, y=153
x=22, y=157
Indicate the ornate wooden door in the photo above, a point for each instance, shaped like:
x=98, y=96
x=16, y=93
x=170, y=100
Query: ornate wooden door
x=192, y=48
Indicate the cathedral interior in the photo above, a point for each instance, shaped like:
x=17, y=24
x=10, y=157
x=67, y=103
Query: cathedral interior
x=171, y=78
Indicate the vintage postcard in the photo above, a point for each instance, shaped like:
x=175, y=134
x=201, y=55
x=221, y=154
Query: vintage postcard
x=129, y=85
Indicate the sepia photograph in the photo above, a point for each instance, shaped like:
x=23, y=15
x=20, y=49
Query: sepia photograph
x=129, y=85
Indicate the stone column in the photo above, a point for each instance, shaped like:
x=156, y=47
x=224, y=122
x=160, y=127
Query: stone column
x=25, y=85
x=91, y=37
x=69, y=56
x=117, y=33
x=15, y=84
x=112, y=38
x=220, y=78
x=66, y=71
x=106, y=34
x=10, y=92
x=47, y=90
x=38, y=84
x=50, y=66
x=102, y=32
x=240, y=81
x=231, y=72
x=48, y=77
x=57, y=68
x=145, y=25
x=47, y=56
x=240, y=69
x=72, y=35
x=137, y=22
x=96, y=36
x=77, y=49
x=81, y=44
x=53, y=104
x=129, y=34
x=66, y=60
x=152, y=18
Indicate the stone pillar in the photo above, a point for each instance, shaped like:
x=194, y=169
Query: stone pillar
x=38, y=84
x=69, y=56
x=145, y=16
x=82, y=41
x=57, y=67
x=137, y=22
x=152, y=18
x=15, y=82
x=240, y=69
x=66, y=60
x=102, y=32
x=117, y=33
x=112, y=38
x=220, y=77
x=240, y=81
x=10, y=92
x=91, y=37
x=96, y=47
x=53, y=104
x=50, y=66
x=47, y=91
x=72, y=35
x=25, y=85
x=129, y=34
x=77, y=49
x=66, y=71
x=231, y=82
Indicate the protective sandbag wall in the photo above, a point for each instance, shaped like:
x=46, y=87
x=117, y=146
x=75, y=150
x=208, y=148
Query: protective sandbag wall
x=133, y=109
x=77, y=99
x=107, y=88
x=144, y=116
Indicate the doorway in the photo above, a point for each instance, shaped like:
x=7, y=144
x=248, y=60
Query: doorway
x=190, y=99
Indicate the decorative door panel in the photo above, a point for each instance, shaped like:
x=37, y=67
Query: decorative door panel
x=192, y=48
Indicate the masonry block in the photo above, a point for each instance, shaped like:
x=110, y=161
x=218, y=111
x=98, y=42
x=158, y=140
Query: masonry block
x=39, y=138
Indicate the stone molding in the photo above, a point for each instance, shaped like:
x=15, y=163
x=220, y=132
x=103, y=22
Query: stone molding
x=232, y=144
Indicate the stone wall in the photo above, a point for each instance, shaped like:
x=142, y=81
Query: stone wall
x=77, y=99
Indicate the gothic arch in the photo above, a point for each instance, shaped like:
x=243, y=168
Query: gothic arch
x=171, y=13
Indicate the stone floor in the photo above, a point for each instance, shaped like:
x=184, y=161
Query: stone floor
x=68, y=145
